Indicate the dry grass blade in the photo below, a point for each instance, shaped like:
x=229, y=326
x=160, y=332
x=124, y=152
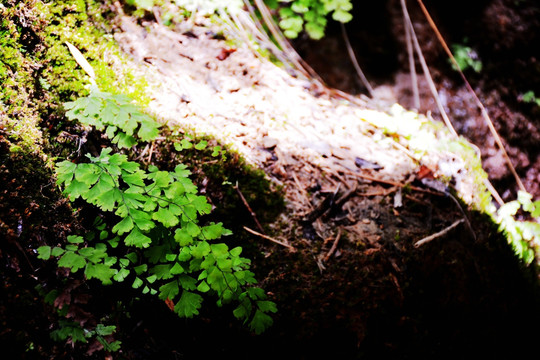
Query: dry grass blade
x=412, y=65
x=81, y=60
x=427, y=73
x=483, y=110
x=355, y=61
x=269, y=238
x=437, y=235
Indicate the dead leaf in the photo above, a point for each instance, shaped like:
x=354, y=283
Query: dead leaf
x=169, y=304
x=81, y=60
x=225, y=53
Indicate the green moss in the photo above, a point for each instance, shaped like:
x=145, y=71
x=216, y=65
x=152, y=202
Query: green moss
x=37, y=71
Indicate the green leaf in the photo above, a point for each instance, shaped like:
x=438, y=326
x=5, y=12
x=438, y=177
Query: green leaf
x=182, y=237
x=193, y=229
x=177, y=269
x=130, y=166
x=188, y=305
x=536, y=212
x=44, y=252
x=215, y=279
x=123, y=226
x=174, y=191
x=236, y=251
x=220, y=250
x=137, y=283
x=71, y=247
x=87, y=173
x=164, y=216
x=57, y=251
x=342, y=16
x=201, y=204
x=169, y=290
x=121, y=275
x=140, y=269
x=525, y=199
x=105, y=330
x=201, y=145
x=260, y=322
x=134, y=179
x=216, y=151
x=185, y=254
x=162, y=271
x=132, y=257
x=242, y=311
x=72, y=260
x=267, y=306
x=299, y=7
x=103, y=185
x=187, y=282
x=142, y=220
x=51, y=296
x=76, y=189
x=114, y=242
x=200, y=250
x=203, y=287
x=256, y=293
x=124, y=141
x=65, y=172
x=171, y=257
x=106, y=200
x=212, y=232
x=149, y=130
x=186, y=144
x=137, y=239
x=101, y=272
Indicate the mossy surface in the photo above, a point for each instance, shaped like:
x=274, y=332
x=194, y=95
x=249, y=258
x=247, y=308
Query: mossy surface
x=39, y=73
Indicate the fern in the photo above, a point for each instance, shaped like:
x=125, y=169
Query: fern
x=122, y=121
x=166, y=251
x=170, y=253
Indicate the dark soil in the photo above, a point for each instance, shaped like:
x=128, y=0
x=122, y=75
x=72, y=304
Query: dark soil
x=506, y=36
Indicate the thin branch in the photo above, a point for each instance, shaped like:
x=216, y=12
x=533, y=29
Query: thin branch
x=269, y=238
x=476, y=99
x=437, y=235
x=334, y=246
x=355, y=61
x=253, y=215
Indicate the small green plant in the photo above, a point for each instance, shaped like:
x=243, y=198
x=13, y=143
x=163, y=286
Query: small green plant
x=530, y=97
x=524, y=236
x=74, y=331
x=151, y=235
x=466, y=58
x=121, y=120
x=310, y=15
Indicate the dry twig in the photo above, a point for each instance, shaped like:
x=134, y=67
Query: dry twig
x=334, y=246
x=438, y=234
x=253, y=215
x=355, y=61
x=269, y=238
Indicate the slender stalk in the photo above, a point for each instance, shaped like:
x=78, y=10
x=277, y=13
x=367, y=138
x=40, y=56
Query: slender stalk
x=355, y=61
x=483, y=110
